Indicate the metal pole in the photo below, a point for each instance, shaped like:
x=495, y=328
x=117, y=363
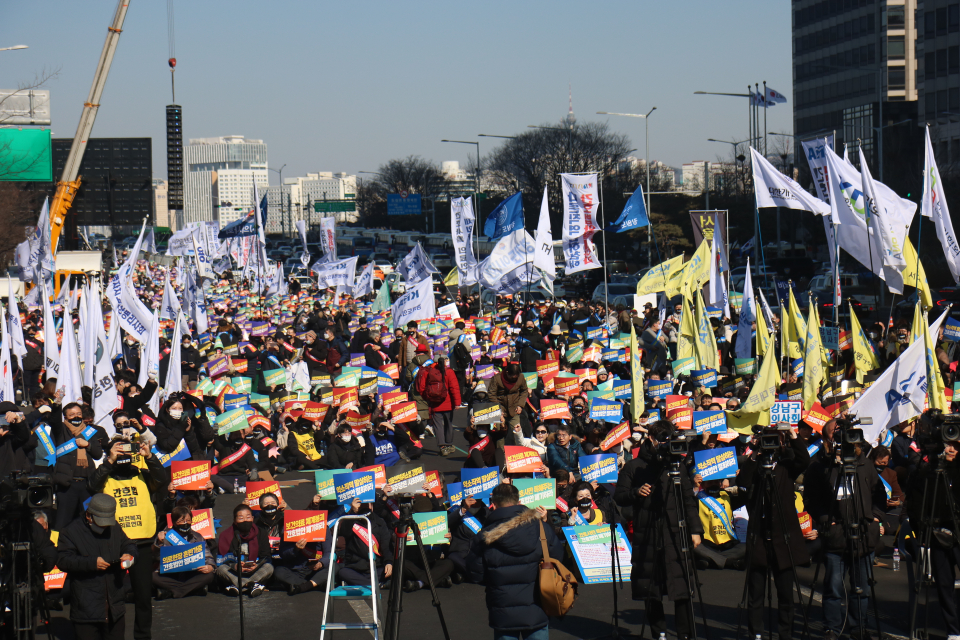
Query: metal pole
x=606, y=288
x=646, y=161
x=764, y=118
x=880, y=117
x=706, y=184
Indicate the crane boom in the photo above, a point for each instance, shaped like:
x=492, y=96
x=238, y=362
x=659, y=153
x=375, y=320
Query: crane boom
x=69, y=180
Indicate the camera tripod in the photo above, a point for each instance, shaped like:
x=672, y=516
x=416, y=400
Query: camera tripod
x=395, y=606
x=926, y=525
x=856, y=541
x=763, y=499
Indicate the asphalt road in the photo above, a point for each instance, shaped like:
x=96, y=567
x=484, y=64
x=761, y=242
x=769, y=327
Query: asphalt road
x=277, y=615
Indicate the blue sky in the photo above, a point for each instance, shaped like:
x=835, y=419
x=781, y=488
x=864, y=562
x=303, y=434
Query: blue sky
x=345, y=86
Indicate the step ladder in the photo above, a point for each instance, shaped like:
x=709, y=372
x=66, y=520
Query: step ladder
x=351, y=592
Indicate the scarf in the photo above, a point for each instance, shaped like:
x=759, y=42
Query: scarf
x=82, y=460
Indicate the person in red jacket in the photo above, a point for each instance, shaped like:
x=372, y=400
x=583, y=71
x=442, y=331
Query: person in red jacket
x=441, y=412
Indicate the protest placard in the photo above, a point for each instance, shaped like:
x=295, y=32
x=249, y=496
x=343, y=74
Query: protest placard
x=433, y=528
x=433, y=484
x=606, y=410
x=478, y=483
x=566, y=385
x=547, y=367
x=256, y=489
x=786, y=411
x=406, y=479
x=486, y=413
x=554, y=410
x=599, y=468
x=659, y=388
x=522, y=459
x=380, y=474
x=716, y=464
x=304, y=525
x=323, y=478
x=392, y=398
x=681, y=417
x=617, y=435
x=189, y=474
x=537, y=492
x=186, y=557
x=709, y=421
x=230, y=421
x=404, y=412
x=355, y=484
x=704, y=378
x=590, y=546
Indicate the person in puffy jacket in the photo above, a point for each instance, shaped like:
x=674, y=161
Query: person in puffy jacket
x=441, y=413
x=564, y=451
x=505, y=558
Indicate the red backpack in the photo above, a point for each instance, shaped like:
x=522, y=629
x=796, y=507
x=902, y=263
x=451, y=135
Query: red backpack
x=434, y=386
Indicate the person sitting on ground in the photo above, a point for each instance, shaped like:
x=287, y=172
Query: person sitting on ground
x=182, y=583
x=244, y=531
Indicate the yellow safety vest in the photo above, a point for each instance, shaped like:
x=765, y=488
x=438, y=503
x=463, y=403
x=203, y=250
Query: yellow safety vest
x=713, y=528
x=135, y=512
x=307, y=445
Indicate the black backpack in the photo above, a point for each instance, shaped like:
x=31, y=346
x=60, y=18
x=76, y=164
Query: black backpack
x=461, y=355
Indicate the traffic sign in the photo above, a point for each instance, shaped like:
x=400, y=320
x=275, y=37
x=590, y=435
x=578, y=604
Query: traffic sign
x=403, y=204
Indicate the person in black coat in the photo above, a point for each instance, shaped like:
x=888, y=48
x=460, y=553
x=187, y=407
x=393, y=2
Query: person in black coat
x=505, y=558
x=190, y=363
x=658, y=570
x=788, y=547
x=90, y=551
x=346, y=452
x=15, y=440
x=833, y=506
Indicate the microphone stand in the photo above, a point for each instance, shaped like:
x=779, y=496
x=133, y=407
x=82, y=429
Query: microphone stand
x=616, y=576
x=244, y=550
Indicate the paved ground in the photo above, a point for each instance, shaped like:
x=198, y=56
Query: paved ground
x=276, y=615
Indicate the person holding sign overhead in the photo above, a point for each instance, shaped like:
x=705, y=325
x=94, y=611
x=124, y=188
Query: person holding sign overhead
x=182, y=583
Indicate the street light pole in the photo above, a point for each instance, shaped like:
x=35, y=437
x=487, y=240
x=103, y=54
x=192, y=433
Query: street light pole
x=646, y=162
x=14, y=47
x=283, y=214
x=476, y=214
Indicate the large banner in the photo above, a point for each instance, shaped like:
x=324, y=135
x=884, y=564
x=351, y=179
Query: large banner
x=462, y=220
x=328, y=235
x=339, y=273
x=416, y=304
x=580, y=202
x=703, y=226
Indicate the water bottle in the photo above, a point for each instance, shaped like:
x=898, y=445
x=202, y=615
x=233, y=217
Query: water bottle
x=663, y=636
x=896, y=559
x=236, y=485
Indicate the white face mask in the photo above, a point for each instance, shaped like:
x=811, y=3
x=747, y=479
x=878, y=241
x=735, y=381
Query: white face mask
x=176, y=413
x=636, y=436
x=482, y=434
x=346, y=437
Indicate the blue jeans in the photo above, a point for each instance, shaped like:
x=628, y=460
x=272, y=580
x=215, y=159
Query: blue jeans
x=834, y=591
x=539, y=634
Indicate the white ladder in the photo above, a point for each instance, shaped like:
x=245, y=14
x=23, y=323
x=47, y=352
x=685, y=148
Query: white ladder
x=351, y=592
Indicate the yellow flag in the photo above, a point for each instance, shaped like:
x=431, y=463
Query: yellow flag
x=935, y=396
x=796, y=330
x=763, y=335
x=706, y=342
x=917, y=328
x=453, y=278
x=687, y=333
x=812, y=360
x=864, y=358
x=656, y=279
x=693, y=273
x=742, y=422
x=636, y=378
x=764, y=392
x=823, y=350
x=914, y=277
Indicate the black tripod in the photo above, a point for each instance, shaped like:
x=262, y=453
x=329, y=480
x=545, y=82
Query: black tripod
x=855, y=536
x=25, y=585
x=395, y=606
x=926, y=525
x=765, y=498
x=616, y=577
x=687, y=561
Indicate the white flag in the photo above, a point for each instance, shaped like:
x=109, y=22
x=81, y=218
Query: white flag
x=200, y=256
x=933, y=204
x=889, y=242
x=580, y=202
x=104, y=391
x=816, y=155
x=150, y=360
x=748, y=315
x=92, y=316
x=416, y=266
x=328, y=236
x=17, y=343
x=174, y=382
x=149, y=244
x=51, y=352
x=511, y=252
x=462, y=220
x=543, y=254
x=70, y=378
x=334, y=274
x=169, y=304
x=773, y=189
x=416, y=304
x=900, y=393
x=6, y=370
x=364, y=284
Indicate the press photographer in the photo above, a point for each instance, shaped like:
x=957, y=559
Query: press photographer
x=660, y=556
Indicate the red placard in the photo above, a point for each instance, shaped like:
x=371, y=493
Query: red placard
x=343, y=396
x=617, y=435
x=547, y=367
x=315, y=411
x=816, y=417
x=202, y=523
x=304, y=525
x=675, y=402
x=404, y=412
x=392, y=370
x=258, y=420
x=806, y=522
x=239, y=364
x=392, y=398
x=54, y=579
x=522, y=459
x=567, y=386
x=587, y=374
x=189, y=474
x=554, y=409
x=257, y=489
x=379, y=474
x=433, y=484
x=682, y=418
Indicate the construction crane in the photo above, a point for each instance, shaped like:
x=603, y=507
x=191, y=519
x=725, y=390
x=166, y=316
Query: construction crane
x=69, y=181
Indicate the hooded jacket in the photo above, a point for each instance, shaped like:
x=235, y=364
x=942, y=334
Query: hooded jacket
x=505, y=558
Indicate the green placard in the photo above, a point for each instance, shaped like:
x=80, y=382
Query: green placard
x=324, y=482
x=745, y=366
x=230, y=421
x=242, y=384
x=684, y=365
x=538, y=492
x=433, y=528
x=275, y=377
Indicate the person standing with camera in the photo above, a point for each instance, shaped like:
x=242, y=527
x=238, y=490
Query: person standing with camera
x=645, y=485
x=844, y=497
x=774, y=536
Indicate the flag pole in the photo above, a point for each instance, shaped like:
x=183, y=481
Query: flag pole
x=606, y=288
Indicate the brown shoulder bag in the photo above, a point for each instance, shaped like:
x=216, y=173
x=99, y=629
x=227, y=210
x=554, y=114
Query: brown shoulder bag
x=558, y=586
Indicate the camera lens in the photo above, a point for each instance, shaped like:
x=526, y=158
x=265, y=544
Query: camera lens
x=39, y=497
x=950, y=432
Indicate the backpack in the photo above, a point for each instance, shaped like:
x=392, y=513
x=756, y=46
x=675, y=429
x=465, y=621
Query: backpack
x=461, y=355
x=558, y=586
x=434, y=386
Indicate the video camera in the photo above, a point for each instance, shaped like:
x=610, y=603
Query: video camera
x=23, y=490
x=769, y=436
x=935, y=428
x=674, y=448
x=848, y=436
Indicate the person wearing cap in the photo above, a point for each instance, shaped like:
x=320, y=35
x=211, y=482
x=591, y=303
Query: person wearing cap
x=92, y=551
x=301, y=440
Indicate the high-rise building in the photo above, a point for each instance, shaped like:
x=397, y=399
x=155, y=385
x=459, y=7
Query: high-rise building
x=175, y=162
x=854, y=69
x=163, y=215
x=938, y=76
x=295, y=199
x=219, y=179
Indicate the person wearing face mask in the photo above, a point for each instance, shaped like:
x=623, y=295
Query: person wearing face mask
x=80, y=449
x=578, y=416
x=346, y=452
x=236, y=460
x=302, y=440
x=244, y=531
x=336, y=343
x=483, y=450
x=880, y=456
x=384, y=441
x=564, y=452
x=270, y=518
x=131, y=352
x=172, y=424
x=509, y=388
x=182, y=583
x=583, y=512
x=90, y=550
x=134, y=490
x=190, y=363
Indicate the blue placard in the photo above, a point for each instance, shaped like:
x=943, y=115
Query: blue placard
x=653, y=415
x=606, y=410
x=381, y=391
x=713, y=312
x=356, y=484
x=797, y=366
x=180, y=453
x=595, y=566
x=478, y=483
x=709, y=421
x=182, y=558
x=659, y=388
x=704, y=378
x=621, y=389
x=399, y=204
x=716, y=464
x=610, y=355
x=383, y=380
x=234, y=400
x=599, y=468
x=455, y=494
x=593, y=333
x=951, y=330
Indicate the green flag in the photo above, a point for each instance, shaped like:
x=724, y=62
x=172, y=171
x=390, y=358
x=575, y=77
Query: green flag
x=382, y=301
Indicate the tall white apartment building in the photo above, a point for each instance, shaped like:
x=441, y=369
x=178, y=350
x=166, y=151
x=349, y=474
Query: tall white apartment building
x=219, y=179
x=295, y=199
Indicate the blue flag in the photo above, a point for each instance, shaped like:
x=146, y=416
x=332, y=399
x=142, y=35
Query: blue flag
x=246, y=226
x=634, y=214
x=506, y=218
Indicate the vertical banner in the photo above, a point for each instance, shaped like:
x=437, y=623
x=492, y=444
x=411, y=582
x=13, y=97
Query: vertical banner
x=328, y=235
x=703, y=223
x=580, y=202
x=462, y=220
x=815, y=152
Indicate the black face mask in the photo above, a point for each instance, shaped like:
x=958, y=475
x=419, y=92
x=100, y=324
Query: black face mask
x=381, y=433
x=880, y=469
x=577, y=409
x=75, y=421
x=585, y=503
x=270, y=514
x=243, y=527
x=183, y=529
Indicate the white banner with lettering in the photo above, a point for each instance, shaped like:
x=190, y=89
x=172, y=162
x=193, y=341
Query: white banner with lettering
x=580, y=202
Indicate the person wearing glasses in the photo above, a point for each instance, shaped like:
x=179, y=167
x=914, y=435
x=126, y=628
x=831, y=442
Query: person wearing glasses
x=538, y=442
